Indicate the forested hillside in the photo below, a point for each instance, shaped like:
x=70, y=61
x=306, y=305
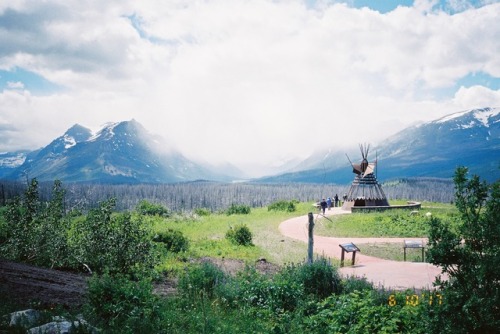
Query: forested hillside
x=218, y=196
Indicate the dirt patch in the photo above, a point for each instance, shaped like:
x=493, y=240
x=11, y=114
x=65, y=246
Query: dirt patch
x=24, y=283
x=232, y=266
x=168, y=287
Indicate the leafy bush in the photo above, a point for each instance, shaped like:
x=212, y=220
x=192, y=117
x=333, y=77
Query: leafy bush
x=36, y=232
x=150, y=209
x=119, y=244
x=470, y=255
x=202, y=212
x=287, y=206
x=201, y=280
x=240, y=235
x=238, y=209
x=4, y=231
x=359, y=312
x=173, y=240
x=318, y=279
x=352, y=283
x=114, y=301
x=252, y=289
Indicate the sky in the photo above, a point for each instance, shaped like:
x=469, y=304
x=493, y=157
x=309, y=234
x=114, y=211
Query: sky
x=255, y=83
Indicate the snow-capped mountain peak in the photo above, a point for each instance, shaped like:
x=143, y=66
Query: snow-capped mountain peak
x=106, y=131
x=471, y=118
x=122, y=152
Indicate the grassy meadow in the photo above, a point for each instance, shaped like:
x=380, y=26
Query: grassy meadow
x=206, y=233
x=393, y=223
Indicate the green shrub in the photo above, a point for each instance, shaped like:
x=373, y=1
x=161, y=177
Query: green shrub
x=252, y=289
x=201, y=280
x=470, y=256
x=117, y=302
x=150, y=209
x=202, y=212
x=173, y=240
x=36, y=231
x=117, y=243
x=287, y=206
x=352, y=283
x=319, y=279
x=240, y=235
x=238, y=209
x=359, y=312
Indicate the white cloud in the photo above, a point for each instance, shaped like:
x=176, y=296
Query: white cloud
x=245, y=81
x=15, y=85
x=476, y=97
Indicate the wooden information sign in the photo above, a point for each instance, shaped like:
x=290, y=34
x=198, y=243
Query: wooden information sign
x=349, y=248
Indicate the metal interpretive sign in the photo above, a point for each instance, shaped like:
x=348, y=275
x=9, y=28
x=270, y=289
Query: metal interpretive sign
x=414, y=244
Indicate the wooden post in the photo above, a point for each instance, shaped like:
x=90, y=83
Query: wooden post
x=310, y=244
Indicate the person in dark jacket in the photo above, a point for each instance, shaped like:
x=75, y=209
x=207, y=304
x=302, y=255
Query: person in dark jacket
x=323, y=205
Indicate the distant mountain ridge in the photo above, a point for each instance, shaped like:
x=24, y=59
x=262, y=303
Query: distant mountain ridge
x=434, y=149
x=469, y=138
x=124, y=152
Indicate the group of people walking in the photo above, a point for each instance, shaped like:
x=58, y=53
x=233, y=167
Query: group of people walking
x=324, y=204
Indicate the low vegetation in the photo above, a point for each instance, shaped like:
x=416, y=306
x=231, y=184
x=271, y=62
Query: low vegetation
x=238, y=209
x=392, y=251
x=240, y=235
x=287, y=206
x=394, y=223
x=128, y=251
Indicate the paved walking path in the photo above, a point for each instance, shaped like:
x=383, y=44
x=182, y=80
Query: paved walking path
x=394, y=275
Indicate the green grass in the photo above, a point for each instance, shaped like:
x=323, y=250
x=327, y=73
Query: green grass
x=394, y=223
x=206, y=236
x=391, y=251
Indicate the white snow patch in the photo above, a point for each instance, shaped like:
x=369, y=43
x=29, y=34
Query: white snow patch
x=109, y=127
x=112, y=170
x=69, y=141
x=14, y=161
x=468, y=126
x=485, y=114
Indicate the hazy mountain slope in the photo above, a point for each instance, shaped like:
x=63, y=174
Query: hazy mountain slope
x=10, y=161
x=434, y=149
x=470, y=138
x=121, y=152
x=125, y=152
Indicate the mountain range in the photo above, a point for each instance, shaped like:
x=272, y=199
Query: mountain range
x=434, y=149
x=121, y=152
x=125, y=152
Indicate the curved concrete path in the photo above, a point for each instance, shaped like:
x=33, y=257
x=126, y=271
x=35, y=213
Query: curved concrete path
x=394, y=275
